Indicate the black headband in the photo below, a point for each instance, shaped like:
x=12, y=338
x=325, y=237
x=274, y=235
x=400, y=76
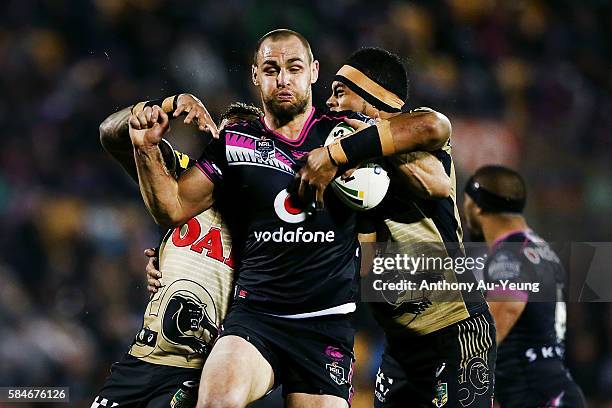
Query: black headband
x=491, y=202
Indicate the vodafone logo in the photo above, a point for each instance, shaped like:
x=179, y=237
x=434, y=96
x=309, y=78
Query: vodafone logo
x=286, y=211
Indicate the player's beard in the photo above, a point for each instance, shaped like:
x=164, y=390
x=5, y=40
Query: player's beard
x=285, y=112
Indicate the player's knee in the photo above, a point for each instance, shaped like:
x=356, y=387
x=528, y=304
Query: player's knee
x=222, y=399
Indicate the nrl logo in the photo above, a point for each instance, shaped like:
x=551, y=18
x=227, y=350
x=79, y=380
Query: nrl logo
x=264, y=149
x=441, y=395
x=336, y=373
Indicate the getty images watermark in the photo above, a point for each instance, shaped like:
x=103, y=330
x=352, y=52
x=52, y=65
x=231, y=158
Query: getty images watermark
x=424, y=273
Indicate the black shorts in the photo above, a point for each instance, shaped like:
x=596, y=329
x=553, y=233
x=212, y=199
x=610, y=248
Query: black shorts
x=452, y=367
x=311, y=356
x=136, y=383
x=542, y=384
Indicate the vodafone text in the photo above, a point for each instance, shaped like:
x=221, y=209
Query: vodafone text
x=299, y=235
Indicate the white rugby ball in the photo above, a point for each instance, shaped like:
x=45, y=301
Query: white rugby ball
x=366, y=187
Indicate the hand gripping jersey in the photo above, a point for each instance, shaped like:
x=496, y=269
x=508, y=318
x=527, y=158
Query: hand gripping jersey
x=289, y=264
x=184, y=317
x=423, y=228
x=538, y=335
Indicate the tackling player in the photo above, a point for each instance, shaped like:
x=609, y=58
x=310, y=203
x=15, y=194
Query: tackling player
x=163, y=365
x=530, y=325
x=297, y=284
x=425, y=361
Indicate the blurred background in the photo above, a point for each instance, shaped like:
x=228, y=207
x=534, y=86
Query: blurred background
x=525, y=83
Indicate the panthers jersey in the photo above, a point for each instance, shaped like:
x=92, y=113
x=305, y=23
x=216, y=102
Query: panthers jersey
x=423, y=227
x=184, y=317
x=523, y=258
x=290, y=264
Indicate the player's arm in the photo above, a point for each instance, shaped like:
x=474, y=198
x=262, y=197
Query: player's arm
x=506, y=312
x=366, y=234
x=506, y=305
x=115, y=139
x=170, y=202
x=114, y=130
x=423, y=174
x=421, y=130
x=368, y=251
x=407, y=132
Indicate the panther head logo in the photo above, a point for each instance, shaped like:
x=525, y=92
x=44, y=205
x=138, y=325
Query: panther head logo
x=186, y=321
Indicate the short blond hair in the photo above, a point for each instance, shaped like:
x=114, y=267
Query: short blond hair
x=282, y=33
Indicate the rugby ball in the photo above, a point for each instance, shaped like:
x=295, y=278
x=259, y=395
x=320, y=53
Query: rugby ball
x=366, y=187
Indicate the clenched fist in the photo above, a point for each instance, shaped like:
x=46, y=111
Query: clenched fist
x=148, y=127
x=316, y=174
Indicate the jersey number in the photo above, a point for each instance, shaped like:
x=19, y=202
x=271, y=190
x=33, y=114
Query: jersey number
x=211, y=241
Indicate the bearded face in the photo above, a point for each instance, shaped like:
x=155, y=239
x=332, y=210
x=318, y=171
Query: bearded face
x=284, y=74
x=285, y=104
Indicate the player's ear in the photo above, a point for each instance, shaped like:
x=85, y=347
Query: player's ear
x=254, y=75
x=314, y=71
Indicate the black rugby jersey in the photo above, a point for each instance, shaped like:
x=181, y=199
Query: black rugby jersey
x=524, y=258
x=288, y=263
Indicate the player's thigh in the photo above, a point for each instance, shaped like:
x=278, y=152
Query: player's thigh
x=236, y=372
x=183, y=394
x=127, y=386
x=301, y=400
x=465, y=376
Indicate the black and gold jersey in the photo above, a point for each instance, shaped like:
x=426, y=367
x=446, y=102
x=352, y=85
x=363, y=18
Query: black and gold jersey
x=425, y=228
x=184, y=317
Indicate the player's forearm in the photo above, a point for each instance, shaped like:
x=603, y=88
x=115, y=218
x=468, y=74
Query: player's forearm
x=420, y=131
x=368, y=252
x=423, y=174
x=114, y=132
x=158, y=187
x=505, y=313
x=115, y=139
x=413, y=131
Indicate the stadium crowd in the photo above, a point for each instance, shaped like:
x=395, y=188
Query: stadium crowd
x=524, y=83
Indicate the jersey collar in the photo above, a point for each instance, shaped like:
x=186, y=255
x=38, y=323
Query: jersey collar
x=303, y=132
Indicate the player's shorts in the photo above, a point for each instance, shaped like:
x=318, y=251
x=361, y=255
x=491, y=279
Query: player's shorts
x=452, y=367
x=311, y=356
x=543, y=384
x=136, y=383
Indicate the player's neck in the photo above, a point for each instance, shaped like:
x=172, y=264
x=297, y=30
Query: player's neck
x=291, y=128
x=495, y=227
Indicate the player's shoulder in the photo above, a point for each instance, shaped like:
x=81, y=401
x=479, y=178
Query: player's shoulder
x=422, y=109
x=248, y=126
x=537, y=251
x=335, y=117
x=520, y=252
x=505, y=263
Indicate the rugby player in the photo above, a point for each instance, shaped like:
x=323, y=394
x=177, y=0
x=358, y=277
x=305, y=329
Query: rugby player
x=183, y=317
x=424, y=361
x=297, y=282
x=530, y=324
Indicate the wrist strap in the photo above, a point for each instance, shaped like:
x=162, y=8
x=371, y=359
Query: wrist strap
x=331, y=158
x=168, y=104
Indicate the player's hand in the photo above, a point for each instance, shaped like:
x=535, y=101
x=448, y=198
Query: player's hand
x=196, y=112
x=357, y=124
x=315, y=175
x=148, y=126
x=153, y=274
